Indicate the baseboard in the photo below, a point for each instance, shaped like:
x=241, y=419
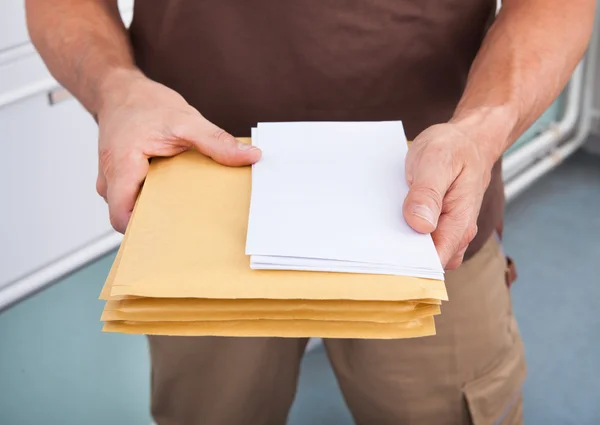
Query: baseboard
x=592, y=145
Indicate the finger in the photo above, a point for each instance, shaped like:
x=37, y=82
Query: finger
x=217, y=144
x=447, y=237
x=452, y=237
x=101, y=185
x=457, y=260
x=423, y=204
x=123, y=186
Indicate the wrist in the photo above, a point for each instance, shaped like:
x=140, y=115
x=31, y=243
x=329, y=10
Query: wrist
x=491, y=128
x=115, y=87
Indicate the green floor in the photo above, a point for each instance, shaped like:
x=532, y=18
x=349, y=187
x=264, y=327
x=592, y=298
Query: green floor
x=57, y=368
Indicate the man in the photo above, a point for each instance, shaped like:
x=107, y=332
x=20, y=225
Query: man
x=192, y=73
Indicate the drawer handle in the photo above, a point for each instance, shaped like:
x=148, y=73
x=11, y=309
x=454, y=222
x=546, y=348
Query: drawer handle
x=57, y=95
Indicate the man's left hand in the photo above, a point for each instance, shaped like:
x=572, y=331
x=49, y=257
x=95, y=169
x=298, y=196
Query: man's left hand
x=448, y=173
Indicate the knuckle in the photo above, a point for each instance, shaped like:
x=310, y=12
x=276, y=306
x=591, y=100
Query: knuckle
x=101, y=187
x=131, y=156
x=185, y=128
x=454, y=263
x=486, y=178
x=221, y=135
x=429, y=193
x=470, y=234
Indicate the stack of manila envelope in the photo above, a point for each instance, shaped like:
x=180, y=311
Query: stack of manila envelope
x=182, y=270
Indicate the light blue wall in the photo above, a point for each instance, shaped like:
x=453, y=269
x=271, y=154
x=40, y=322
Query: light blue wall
x=56, y=367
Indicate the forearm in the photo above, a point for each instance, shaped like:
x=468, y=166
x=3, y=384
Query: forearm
x=525, y=61
x=84, y=44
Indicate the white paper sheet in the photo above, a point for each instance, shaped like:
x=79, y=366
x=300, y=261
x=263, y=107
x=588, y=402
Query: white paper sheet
x=327, y=196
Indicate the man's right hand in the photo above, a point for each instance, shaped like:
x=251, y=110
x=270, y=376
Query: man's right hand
x=140, y=119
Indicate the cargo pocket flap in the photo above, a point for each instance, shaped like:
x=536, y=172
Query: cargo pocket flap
x=492, y=397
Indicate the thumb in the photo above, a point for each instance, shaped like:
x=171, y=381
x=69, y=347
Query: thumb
x=423, y=204
x=217, y=144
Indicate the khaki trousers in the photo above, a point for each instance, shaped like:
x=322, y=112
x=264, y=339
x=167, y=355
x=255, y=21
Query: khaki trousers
x=471, y=372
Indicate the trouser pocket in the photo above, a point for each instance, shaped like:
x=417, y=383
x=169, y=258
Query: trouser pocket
x=495, y=397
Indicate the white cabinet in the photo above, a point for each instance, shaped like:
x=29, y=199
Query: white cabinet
x=51, y=219
x=47, y=184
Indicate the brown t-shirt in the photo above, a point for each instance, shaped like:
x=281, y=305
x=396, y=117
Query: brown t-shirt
x=239, y=62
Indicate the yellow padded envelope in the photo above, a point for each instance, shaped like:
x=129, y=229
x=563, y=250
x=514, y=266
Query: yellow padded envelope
x=190, y=310
x=282, y=328
x=186, y=241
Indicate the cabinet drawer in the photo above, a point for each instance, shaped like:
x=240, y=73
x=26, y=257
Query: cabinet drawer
x=22, y=72
x=49, y=206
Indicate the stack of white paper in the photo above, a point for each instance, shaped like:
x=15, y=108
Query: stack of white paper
x=327, y=196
